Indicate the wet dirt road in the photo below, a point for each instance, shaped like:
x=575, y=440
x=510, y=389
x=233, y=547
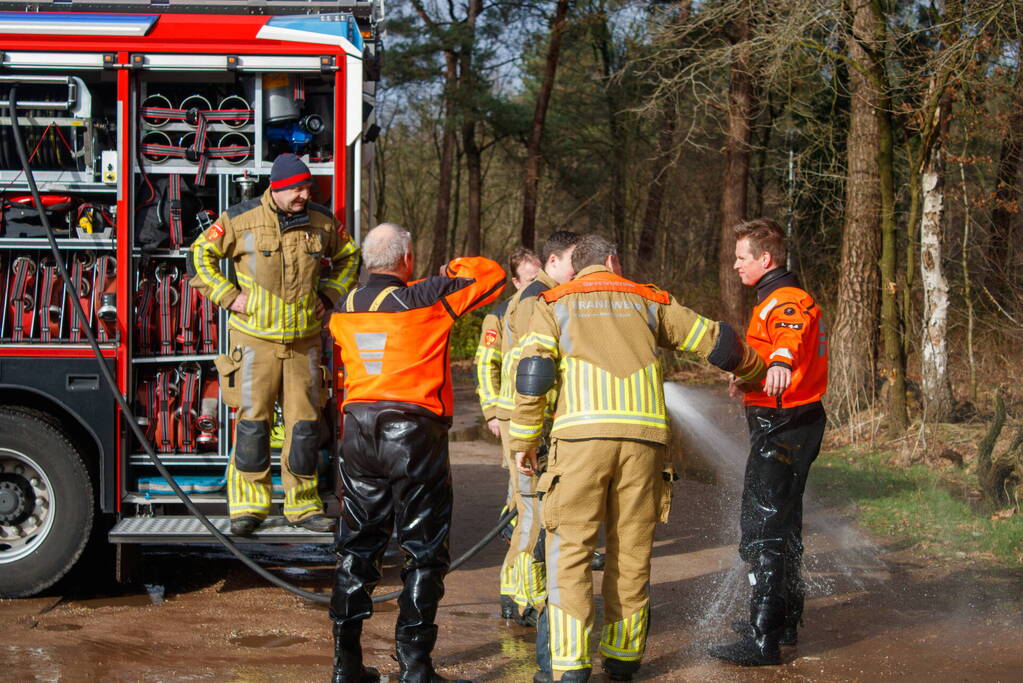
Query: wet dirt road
x=872, y=612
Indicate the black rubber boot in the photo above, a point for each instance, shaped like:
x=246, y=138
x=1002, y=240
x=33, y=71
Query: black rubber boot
x=509, y=610
x=348, y=666
x=762, y=648
x=319, y=523
x=767, y=616
x=620, y=670
x=244, y=525
x=789, y=635
x=416, y=664
x=527, y=618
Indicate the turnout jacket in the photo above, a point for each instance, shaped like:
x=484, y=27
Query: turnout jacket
x=282, y=267
x=488, y=360
x=516, y=324
x=603, y=331
x=786, y=328
x=394, y=337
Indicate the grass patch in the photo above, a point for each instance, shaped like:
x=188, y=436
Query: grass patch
x=918, y=506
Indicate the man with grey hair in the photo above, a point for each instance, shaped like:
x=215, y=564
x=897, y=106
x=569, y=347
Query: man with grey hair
x=394, y=340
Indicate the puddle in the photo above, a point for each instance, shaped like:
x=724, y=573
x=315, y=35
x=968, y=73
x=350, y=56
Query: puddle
x=268, y=640
x=62, y=627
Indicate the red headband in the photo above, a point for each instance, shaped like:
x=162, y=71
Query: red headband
x=296, y=179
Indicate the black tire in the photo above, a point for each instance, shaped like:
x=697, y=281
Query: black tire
x=59, y=505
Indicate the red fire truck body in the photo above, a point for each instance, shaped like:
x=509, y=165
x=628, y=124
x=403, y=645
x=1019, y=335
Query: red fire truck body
x=143, y=126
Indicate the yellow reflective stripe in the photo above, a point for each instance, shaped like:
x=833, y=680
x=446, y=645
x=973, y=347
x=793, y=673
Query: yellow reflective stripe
x=344, y=280
x=570, y=641
x=626, y=639
x=244, y=497
x=524, y=431
x=611, y=417
x=696, y=333
x=486, y=358
x=206, y=258
x=542, y=340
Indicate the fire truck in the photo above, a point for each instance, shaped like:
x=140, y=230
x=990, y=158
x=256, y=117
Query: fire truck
x=142, y=121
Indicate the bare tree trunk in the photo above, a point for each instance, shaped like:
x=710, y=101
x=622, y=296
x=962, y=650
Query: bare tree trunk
x=651, y=228
x=891, y=322
x=735, y=183
x=442, y=217
x=602, y=40
x=531, y=185
x=473, y=155
x=853, y=340
x=1007, y=192
x=937, y=391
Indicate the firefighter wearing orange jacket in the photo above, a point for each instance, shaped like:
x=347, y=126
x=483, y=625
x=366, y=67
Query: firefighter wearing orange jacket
x=786, y=423
x=596, y=338
x=393, y=337
x=291, y=260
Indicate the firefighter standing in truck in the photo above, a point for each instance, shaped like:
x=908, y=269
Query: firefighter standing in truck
x=280, y=244
x=597, y=337
x=786, y=423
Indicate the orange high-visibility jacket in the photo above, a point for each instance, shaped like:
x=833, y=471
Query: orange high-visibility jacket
x=393, y=336
x=787, y=329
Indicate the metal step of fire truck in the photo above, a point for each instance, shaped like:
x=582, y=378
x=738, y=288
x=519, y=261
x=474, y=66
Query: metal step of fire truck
x=187, y=529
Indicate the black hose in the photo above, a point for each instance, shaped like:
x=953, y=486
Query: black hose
x=133, y=424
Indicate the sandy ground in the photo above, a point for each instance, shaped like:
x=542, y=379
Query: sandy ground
x=873, y=612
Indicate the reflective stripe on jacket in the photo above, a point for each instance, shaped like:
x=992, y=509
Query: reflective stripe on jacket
x=488, y=361
x=394, y=337
x=603, y=331
x=282, y=271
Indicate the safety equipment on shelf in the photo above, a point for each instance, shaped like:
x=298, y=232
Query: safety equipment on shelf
x=166, y=395
x=21, y=298
x=81, y=287
x=166, y=302
x=51, y=301
x=145, y=306
x=207, y=422
x=197, y=111
x=166, y=216
x=283, y=95
x=188, y=309
x=104, y=297
x=187, y=413
x=19, y=218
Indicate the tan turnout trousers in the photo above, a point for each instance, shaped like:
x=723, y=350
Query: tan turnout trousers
x=523, y=575
x=621, y=484
x=255, y=373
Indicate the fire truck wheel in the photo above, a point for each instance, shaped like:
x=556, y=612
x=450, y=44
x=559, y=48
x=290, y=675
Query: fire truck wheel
x=46, y=503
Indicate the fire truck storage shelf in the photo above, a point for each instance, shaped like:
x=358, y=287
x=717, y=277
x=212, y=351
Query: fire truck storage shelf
x=139, y=137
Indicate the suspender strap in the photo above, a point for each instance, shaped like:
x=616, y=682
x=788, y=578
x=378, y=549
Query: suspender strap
x=384, y=293
x=350, y=300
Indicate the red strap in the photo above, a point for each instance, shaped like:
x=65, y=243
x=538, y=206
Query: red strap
x=21, y=302
x=186, y=315
x=209, y=326
x=187, y=408
x=177, y=232
x=49, y=328
x=76, y=291
x=144, y=317
x=166, y=315
x=164, y=412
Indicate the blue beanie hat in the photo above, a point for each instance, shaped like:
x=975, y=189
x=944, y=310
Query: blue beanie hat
x=288, y=171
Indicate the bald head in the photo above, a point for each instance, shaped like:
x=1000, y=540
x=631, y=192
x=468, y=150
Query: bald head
x=386, y=248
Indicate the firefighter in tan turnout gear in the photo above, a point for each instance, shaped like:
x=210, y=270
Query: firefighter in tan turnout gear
x=292, y=263
x=523, y=577
x=596, y=337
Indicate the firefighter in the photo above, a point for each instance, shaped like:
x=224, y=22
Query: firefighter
x=523, y=575
x=786, y=423
x=524, y=265
x=597, y=337
x=394, y=341
x=292, y=261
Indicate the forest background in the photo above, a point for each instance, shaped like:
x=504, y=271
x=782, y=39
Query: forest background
x=885, y=135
